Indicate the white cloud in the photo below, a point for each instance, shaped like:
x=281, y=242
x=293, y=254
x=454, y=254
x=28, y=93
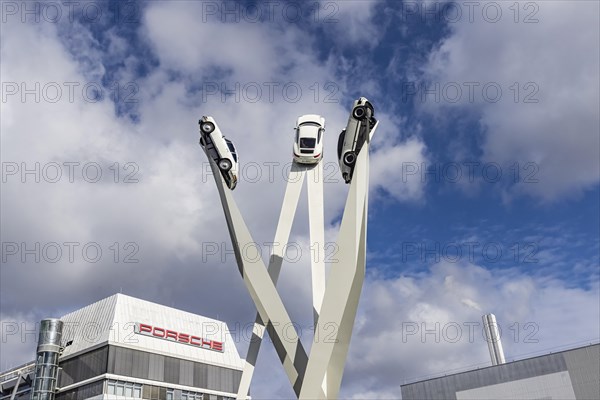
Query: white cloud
x=553, y=61
x=173, y=211
x=354, y=22
x=190, y=45
x=19, y=337
x=471, y=303
x=387, y=170
x=413, y=327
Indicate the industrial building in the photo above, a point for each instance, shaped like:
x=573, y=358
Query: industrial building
x=126, y=348
x=567, y=375
x=123, y=348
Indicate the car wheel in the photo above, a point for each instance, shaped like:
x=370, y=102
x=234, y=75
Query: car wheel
x=349, y=158
x=202, y=142
x=359, y=112
x=224, y=164
x=207, y=127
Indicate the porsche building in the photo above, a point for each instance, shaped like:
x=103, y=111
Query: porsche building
x=567, y=375
x=126, y=348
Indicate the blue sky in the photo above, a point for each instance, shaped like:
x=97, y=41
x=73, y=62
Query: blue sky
x=464, y=97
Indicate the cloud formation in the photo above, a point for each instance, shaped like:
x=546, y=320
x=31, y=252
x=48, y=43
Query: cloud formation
x=155, y=202
x=530, y=74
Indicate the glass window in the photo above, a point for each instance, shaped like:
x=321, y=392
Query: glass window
x=192, y=396
x=230, y=145
x=310, y=124
x=137, y=392
x=111, y=388
x=319, y=136
x=120, y=390
x=307, y=143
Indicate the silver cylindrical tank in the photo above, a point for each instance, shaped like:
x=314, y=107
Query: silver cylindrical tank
x=492, y=336
x=46, y=363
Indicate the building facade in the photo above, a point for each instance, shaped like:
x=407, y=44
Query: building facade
x=567, y=375
x=126, y=348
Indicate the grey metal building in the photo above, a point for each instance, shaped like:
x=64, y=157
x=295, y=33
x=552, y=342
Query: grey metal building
x=123, y=348
x=567, y=375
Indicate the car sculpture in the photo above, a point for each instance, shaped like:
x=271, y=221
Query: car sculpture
x=308, y=142
x=360, y=123
x=220, y=149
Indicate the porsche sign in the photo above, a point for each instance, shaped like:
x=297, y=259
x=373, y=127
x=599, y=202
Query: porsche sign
x=179, y=337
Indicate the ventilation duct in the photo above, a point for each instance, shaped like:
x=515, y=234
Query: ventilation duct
x=46, y=363
x=492, y=335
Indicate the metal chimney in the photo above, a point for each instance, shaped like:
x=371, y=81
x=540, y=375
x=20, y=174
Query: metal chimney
x=46, y=364
x=492, y=335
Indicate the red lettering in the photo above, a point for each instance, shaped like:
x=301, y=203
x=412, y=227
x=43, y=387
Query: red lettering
x=145, y=328
x=184, y=338
x=171, y=335
x=192, y=341
x=156, y=331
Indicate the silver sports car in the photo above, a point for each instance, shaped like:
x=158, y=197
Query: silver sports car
x=360, y=123
x=220, y=149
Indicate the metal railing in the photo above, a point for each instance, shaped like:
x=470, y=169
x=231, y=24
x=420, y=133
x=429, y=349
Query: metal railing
x=13, y=373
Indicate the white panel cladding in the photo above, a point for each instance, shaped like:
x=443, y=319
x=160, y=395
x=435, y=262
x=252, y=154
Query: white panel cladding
x=112, y=320
x=88, y=326
x=550, y=386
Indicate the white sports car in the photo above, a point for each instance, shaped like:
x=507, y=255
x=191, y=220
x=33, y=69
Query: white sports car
x=221, y=150
x=360, y=123
x=308, y=144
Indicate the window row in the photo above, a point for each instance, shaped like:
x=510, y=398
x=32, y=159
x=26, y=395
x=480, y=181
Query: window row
x=139, y=391
x=121, y=388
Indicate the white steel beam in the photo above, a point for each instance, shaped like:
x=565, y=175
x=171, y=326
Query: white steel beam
x=316, y=220
x=344, y=284
x=282, y=234
x=317, y=239
x=334, y=303
x=262, y=290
